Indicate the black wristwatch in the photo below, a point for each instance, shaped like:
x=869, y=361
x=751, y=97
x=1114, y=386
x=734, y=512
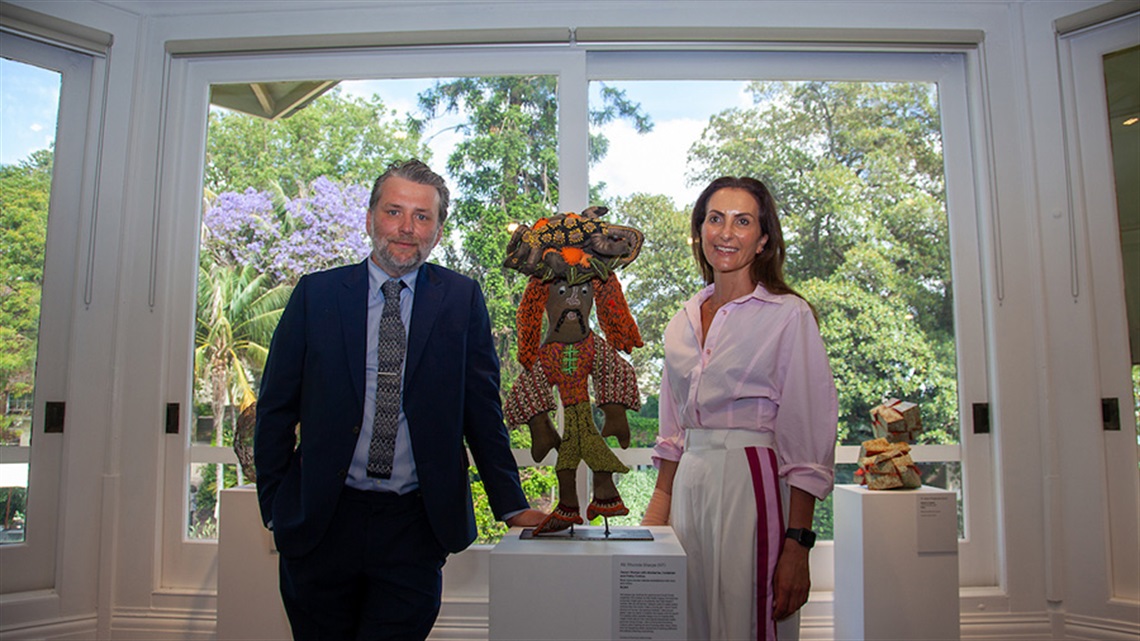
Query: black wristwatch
x=803, y=536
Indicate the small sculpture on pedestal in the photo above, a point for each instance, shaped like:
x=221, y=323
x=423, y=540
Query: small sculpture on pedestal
x=571, y=260
x=885, y=462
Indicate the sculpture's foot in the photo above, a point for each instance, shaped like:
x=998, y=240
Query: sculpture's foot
x=561, y=518
x=606, y=508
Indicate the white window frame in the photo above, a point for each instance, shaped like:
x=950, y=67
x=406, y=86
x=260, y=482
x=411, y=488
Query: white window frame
x=948, y=69
x=956, y=71
x=188, y=563
x=32, y=565
x=1097, y=244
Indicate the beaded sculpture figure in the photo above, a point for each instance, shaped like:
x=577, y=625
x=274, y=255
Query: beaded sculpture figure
x=571, y=260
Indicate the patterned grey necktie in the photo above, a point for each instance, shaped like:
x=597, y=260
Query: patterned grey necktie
x=390, y=365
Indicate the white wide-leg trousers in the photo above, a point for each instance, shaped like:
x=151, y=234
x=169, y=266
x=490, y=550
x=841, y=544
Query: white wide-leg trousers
x=726, y=492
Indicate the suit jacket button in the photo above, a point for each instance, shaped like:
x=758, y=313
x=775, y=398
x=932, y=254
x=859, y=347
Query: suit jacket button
x=355, y=429
x=342, y=473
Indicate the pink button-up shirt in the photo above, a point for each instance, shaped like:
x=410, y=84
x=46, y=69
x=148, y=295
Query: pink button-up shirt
x=763, y=367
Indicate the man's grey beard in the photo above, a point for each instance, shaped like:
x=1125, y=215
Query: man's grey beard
x=384, y=258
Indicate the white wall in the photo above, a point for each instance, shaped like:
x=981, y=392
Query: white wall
x=1042, y=361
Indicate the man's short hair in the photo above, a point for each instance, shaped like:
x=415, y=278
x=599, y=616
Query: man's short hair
x=417, y=172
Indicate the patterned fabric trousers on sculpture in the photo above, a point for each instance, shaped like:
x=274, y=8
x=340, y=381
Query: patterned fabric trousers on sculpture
x=581, y=441
x=725, y=492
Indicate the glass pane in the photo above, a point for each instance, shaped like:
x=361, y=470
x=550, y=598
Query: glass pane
x=286, y=197
x=857, y=171
x=1122, y=79
x=204, y=497
x=1136, y=401
x=636, y=488
x=28, y=120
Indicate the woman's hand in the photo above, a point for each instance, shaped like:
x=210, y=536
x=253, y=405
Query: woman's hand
x=792, y=582
x=657, y=512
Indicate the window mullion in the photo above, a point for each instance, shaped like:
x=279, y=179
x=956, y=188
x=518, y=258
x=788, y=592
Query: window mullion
x=573, y=135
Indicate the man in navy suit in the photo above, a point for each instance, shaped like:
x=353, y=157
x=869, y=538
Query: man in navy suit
x=361, y=552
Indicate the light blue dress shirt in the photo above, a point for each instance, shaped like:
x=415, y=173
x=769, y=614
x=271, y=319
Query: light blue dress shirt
x=404, y=477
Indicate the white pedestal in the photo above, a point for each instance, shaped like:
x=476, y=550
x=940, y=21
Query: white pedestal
x=249, y=602
x=611, y=590
x=896, y=564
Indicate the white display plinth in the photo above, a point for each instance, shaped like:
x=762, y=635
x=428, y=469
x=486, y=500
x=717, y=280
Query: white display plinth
x=896, y=564
x=249, y=602
x=563, y=589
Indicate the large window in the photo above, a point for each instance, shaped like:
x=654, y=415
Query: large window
x=857, y=170
x=880, y=210
x=45, y=92
x=25, y=178
x=279, y=197
x=1102, y=110
x=275, y=210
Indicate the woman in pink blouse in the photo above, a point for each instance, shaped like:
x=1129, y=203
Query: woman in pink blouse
x=748, y=415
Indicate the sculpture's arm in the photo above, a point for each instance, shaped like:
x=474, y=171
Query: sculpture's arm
x=530, y=402
x=615, y=390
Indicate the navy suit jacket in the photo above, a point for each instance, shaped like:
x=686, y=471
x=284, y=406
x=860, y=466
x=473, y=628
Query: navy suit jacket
x=314, y=376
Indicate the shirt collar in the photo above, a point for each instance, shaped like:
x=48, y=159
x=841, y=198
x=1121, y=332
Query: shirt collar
x=377, y=277
x=759, y=293
x=692, y=307
x=762, y=293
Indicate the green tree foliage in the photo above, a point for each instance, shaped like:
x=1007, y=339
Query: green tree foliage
x=636, y=488
x=14, y=503
x=614, y=105
x=204, y=523
x=539, y=484
x=857, y=171
x=1136, y=398
x=342, y=137
x=505, y=170
x=642, y=430
x=237, y=313
x=24, y=192
x=490, y=529
x=662, y=278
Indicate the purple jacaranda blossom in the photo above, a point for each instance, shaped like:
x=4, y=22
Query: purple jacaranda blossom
x=321, y=230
